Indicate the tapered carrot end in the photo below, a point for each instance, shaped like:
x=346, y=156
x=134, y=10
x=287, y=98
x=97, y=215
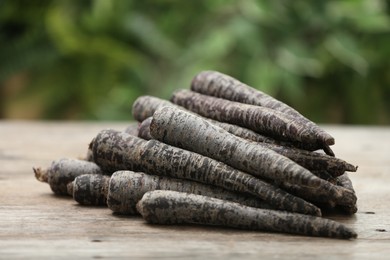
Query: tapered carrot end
x=347, y=233
x=328, y=150
x=40, y=174
x=317, y=212
x=346, y=197
x=329, y=140
x=350, y=168
x=69, y=188
x=350, y=210
x=326, y=138
x=200, y=77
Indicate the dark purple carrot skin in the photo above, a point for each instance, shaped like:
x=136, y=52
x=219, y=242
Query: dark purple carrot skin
x=313, y=161
x=256, y=137
x=345, y=181
x=89, y=189
x=325, y=176
x=169, y=207
x=262, y=120
x=132, y=129
x=126, y=188
x=144, y=130
x=145, y=106
x=188, y=131
x=154, y=157
x=321, y=198
x=223, y=86
x=162, y=159
x=318, y=198
x=89, y=155
x=63, y=171
x=114, y=150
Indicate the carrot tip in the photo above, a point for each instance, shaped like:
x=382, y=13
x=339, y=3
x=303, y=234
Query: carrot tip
x=198, y=78
x=328, y=150
x=40, y=175
x=329, y=140
x=351, y=168
x=350, y=234
x=318, y=212
x=69, y=188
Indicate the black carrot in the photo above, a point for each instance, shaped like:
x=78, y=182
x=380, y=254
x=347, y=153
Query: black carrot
x=260, y=119
x=132, y=129
x=145, y=106
x=126, y=188
x=345, y=181
x=170, y=207
x=144, y=129
x=221, y=85
x=154, y=157
x=314, y=161
x=63, y=171
x=188, y=131
x=89, y=189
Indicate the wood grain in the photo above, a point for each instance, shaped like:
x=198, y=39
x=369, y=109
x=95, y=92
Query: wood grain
x=34, y=223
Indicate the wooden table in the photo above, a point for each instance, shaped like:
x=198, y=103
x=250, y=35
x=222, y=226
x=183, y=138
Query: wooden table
x=34, y=223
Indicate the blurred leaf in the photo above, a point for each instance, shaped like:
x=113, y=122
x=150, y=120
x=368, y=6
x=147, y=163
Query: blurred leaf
x=343, y=48
x=366, y=15
x=294, y=61
x=149, y=34
x=91, y=59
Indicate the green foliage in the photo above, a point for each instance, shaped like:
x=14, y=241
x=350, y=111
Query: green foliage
x=91, y=59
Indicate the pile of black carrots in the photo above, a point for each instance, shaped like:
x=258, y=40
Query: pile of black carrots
x=222, y=153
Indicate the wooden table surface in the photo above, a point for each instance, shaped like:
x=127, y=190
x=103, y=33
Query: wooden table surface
x=34, y=223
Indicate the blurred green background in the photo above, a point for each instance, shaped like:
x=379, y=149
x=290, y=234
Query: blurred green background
x=91, y=59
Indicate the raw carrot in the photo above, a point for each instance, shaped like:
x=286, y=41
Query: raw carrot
x=345, y=181
x=313, y=161
x=325, y=176
x=319, y=198
x=220, y=85
x=126, y=188
x=132, y=129
x=89, y=156
x=188, y=131
x=154, y=157
x=144, y=130
x=63, y=171
x=260, y=119
x=113, y=150
x=89, y=189
x=160, y=158
x=145, y=106
x=170, y=207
